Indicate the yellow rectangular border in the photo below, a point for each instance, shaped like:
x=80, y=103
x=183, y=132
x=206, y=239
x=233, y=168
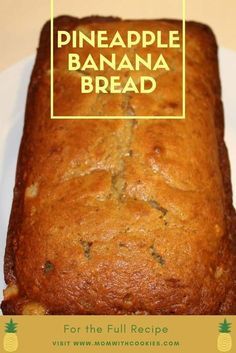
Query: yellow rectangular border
x=183, y=116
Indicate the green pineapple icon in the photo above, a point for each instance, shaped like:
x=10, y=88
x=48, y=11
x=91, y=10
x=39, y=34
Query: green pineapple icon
x=224, y=341
x=10, y=341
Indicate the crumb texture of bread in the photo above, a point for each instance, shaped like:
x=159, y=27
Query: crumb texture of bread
x=123, y=216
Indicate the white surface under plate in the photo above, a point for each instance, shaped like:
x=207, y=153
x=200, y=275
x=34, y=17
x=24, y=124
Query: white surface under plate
x=13, y=89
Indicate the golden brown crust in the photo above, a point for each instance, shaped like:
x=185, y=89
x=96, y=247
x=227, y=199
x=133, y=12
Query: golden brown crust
x=122, y=217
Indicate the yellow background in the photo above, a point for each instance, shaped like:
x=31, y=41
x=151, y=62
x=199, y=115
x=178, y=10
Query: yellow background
x=195, y=334
x=22, y=20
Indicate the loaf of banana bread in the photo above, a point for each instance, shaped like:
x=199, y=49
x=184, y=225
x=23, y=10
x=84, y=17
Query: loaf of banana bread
x=123, y=216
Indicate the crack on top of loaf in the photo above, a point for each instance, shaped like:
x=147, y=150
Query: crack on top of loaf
x=154, y=204
x=128, y=109
x=118, y=182
x=156, y=256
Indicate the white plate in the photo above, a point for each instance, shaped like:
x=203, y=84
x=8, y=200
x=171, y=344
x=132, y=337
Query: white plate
x=13, y=88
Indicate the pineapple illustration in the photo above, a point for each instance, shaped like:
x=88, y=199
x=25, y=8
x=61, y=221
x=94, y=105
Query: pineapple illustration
x=224, y=341
x=10, y=341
